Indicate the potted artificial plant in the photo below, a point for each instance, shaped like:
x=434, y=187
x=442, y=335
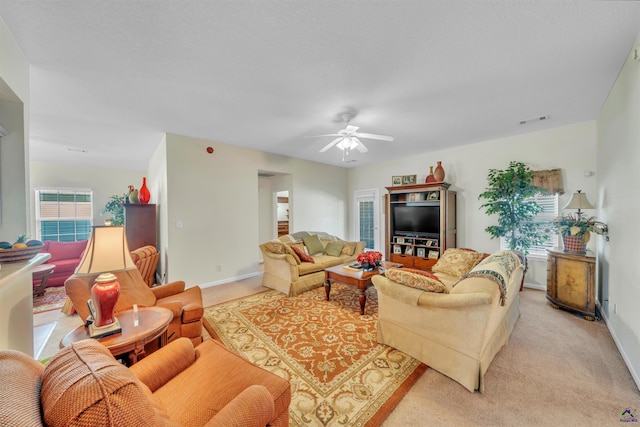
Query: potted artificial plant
x=115, y=207
x=509, y=195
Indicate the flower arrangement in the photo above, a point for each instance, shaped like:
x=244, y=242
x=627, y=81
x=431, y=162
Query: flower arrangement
x=577, y=225
x=370, y=257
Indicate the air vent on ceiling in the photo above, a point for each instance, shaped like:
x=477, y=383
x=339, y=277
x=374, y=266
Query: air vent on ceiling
x=536, y=119
x=265, y=175
x=78, y=150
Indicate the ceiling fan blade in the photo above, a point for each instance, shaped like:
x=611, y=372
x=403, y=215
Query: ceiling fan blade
x=331, y=144
x=374, y=136
x=351, y=129
x=319, y=136
x=361, y=148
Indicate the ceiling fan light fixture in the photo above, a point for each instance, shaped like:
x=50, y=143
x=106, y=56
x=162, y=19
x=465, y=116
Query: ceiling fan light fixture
x=347, y=143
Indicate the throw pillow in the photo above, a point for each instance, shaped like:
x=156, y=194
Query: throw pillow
x=277, y=247
x=333, y=248
x=313, y=244
x=349, y=248
x=414, y=279
x=303, y=256
x=456, y=262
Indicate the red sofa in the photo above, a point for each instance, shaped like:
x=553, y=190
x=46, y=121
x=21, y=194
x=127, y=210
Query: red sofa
x=65, y=256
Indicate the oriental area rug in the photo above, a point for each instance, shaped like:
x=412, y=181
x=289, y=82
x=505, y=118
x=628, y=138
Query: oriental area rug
x=53, y=299
x=339, y=374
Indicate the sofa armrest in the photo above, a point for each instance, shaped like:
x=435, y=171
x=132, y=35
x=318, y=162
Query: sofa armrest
x=162, y=365
x=168, y=289
x=176, y=307
x=252, y=407
x=192, y=312
x=283, y=266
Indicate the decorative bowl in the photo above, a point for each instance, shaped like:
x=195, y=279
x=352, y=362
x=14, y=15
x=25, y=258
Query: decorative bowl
x=18, y=254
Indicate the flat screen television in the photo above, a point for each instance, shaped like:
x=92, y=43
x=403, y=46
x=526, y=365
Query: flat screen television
x=419, y=221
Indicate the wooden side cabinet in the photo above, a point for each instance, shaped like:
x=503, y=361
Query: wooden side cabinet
x=571, y=282
x=140, y=225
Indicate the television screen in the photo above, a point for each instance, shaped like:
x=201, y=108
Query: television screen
x=416, y=220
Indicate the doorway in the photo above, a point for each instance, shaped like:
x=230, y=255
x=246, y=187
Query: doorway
x=367, y=218
x=282, y=212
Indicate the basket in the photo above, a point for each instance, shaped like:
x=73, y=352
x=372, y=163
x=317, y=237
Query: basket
x=18, y=254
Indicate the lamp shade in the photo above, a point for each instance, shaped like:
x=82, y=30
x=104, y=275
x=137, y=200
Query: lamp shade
x=107, y=251
x=579, y=201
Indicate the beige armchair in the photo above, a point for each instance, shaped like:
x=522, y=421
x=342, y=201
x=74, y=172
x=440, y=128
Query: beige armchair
x=185, y=304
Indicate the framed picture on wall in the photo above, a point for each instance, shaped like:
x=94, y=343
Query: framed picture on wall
x=408, y=179
x=396, y=180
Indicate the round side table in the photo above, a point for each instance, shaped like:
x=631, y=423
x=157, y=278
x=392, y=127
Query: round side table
x=152, y=324
x=41, y=272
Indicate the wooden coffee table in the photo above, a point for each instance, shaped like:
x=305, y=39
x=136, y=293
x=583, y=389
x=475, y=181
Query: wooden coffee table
x=152, y=324
x=356, y=277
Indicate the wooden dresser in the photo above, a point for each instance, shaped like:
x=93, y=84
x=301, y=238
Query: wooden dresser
x=571, y=282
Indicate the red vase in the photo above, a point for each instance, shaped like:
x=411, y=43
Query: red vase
x=104, y=294
x=439, y=172
x=430, y=177
x=143, y=193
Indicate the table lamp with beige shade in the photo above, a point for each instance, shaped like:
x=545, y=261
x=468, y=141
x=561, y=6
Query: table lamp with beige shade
x=107, y=252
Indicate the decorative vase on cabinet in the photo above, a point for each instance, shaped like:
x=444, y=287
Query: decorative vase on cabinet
x=430, y=177
x=438, y=173
x=143, y=194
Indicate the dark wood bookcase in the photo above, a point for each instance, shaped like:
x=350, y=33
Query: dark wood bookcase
x=419, y=251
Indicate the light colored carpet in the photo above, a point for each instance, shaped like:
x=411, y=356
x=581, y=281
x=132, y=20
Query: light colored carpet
x=558, y=369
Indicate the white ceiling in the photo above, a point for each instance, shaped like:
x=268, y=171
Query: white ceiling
x=112, y=77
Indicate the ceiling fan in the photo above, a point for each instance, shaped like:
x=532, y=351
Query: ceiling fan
x=348, y=138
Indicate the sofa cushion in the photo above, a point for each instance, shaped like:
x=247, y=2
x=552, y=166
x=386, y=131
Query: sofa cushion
x=65, y=250
x=456, y=262
x=416, y=279
x=334, y=248
x=349, y=248
x=277, y=247
x=313, y=244
x=65, y=265
x=84, y=385
x=304, y=257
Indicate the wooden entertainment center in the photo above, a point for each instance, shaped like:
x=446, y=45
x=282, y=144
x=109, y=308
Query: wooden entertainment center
x=418, y=242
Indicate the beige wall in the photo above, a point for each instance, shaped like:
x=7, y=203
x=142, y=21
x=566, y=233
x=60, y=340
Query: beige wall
x=214, y=198
x=571, y=148
x=14, y=148
x=104, y=183
x=618, y=152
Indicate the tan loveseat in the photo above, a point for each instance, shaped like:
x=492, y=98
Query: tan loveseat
x=457, y=331
x=178, y=385
x=286, y=272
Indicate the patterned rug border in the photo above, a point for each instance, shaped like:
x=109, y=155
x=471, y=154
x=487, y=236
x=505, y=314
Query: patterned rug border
x=385, y=408
x=60, y=297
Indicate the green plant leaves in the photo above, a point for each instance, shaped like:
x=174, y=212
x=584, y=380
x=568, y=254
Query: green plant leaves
x=508, y=195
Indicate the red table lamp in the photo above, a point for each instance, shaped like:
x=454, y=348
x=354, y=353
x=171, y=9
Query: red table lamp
x=107, y=252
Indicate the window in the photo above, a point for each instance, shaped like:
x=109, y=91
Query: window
x=64, y=214
x=549, y=205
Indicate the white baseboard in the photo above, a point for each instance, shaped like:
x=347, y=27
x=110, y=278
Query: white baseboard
x=230, y=279
x=535, y=286
x=625, y=357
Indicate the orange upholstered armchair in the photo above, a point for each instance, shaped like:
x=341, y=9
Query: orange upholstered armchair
x=146, y=259
x=178, y=385
x=185, y=304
